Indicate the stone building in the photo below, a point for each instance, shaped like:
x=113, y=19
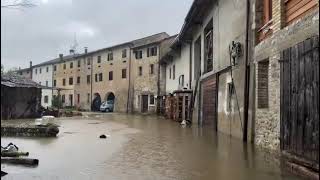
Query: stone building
x=20, y=97
x=144, y=94
x=287, y=77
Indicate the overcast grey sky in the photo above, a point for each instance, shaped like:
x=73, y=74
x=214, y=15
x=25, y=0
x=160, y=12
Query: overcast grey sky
x=42, y=32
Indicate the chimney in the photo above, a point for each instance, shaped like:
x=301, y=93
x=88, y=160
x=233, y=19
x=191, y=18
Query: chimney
x=85, y=50
x=30, y=64
x=71, y=51
x=61, y=57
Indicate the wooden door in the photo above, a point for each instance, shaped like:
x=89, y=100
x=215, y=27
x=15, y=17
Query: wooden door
x=144, y=106
x=300, y=101
x=209, y=101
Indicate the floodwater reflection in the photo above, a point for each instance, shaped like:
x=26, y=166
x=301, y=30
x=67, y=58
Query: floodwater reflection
x=141, y=147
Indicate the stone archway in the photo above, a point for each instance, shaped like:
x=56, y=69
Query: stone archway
x=95, y=106
x=110, y=97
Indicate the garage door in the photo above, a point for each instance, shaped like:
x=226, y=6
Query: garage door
x=209, y=101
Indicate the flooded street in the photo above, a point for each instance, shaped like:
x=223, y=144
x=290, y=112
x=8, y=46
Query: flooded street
x=140, y=147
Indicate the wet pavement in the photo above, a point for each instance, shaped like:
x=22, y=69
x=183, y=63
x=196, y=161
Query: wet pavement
x=143, y=148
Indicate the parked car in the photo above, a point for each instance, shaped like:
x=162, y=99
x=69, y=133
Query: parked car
x=107, y=106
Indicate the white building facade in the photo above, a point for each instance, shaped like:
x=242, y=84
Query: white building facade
x=42, y=74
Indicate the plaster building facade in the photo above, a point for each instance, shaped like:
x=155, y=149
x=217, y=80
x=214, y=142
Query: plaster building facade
x=212, y=53
x=42, y=74
x=64, y=73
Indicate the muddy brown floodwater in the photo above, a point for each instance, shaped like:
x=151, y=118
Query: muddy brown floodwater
x=142, y=148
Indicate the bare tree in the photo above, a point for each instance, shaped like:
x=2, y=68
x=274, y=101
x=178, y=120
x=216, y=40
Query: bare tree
x=17, y=4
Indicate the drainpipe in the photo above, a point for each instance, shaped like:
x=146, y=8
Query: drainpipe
x=190, y=64
x=91, y=69
x=247, y=75
x=129, y=84
x=158, y=82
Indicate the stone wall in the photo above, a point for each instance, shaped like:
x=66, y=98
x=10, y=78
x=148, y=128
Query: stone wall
x=267, y=121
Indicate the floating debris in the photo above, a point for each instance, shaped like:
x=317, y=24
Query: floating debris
x=103, y=136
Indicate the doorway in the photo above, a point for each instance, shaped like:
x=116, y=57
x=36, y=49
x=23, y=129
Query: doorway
x=300, y=101
x=71, y=99
x=144, y=106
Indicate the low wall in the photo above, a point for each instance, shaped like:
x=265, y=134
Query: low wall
x=30, y=131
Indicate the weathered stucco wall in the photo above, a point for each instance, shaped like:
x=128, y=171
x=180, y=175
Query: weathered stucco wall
x=228, y=19
x=182, y=65
x=118, y=85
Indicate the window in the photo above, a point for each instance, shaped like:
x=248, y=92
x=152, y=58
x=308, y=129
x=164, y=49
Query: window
x=263, y=73
x=151, y=68
x=88, y=61
x=140, y=70
x=71, y=81
x=63, y=82
x=138, y=54
x=71, y=99
x=55, y=68
x=151, y=99
x=208, y=64
x=40, y=70
x=100, y=77
x=71, y=65
x=88, y=98
x=110, y=56
x=181, y=80
x=79, y=63
x=267, y=11
x=78, y=98
x=124, y=53
x=47, y=83
x=152, y=51
x=174, y=72
x=63, y=98
x=54, y=83
x=96, y=77
x=295, y=10
x=88, y=79
x=36, y=71
x=99, y=59
x=124, y=73
x=46, y=99
x=47, y=69
x=110, y=75
x=78, y=80
x=170, y=73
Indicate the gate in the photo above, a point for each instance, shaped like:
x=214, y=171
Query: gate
x=300, y=102
x=209, y=101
